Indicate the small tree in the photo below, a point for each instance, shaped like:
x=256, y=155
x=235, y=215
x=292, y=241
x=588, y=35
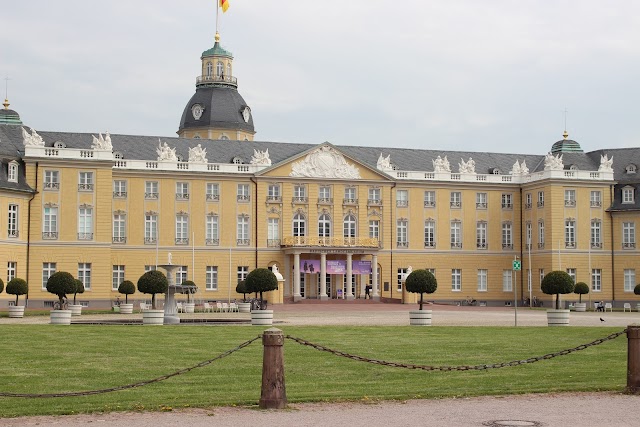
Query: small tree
x=581, y=289
x=241, y=288
x=421, y=282
x=191, y=288
x=17, y=287
x=153, y=282
x=78, y=290
x=556, y=283
x=636, y=290
x=127, y=288
x=61, y=283
x=1, y=285
x=261, y=280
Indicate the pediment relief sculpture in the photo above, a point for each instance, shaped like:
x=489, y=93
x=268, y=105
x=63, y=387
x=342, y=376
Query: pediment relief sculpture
x=325, y=162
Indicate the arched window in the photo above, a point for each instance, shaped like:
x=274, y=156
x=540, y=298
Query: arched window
x=349, y=226
x=299, y=225
x=324, y=226
x=219, y=69
x=13, y=172
x=209, y=69
x=224, y=137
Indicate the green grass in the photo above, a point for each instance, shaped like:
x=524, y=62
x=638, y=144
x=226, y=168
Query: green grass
x=49, y=359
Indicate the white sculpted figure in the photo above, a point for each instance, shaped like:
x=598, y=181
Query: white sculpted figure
x=325, y=162
x=384, y=163
x=467, y=167
x=516, y=169
x=553, y=163
x=166, y=153
x=441, y=165
x=606, y=164
x=32, y=139
x=169, y=259
x=198, y=154
x=409, y=271
x=260, y=158
x=102, y=143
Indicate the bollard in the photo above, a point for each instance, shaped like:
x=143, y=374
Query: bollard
x=274, y=393
x=633, y=359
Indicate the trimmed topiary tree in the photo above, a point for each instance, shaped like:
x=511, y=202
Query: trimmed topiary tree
x=1, y=286
x=78, y=290
x=636, y=290
x=61, y=283
x=556, y=283
x=127, y=288
x=17, y=287
x=153, y=282
x=191, y=284
x=261, y=280
x=421, y=282
x=241, y=288
x=581, y=288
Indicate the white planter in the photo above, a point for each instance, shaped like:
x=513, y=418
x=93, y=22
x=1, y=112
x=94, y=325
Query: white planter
x=244, y=307
x=60, y=317
x=558, y=317
x=638, y=307
x=16, y=311
x=420, y=317
x=580, y=306
x=189, y=307
x=126, y=308
x=76, y=309
x=262, y=317
x=153, y=317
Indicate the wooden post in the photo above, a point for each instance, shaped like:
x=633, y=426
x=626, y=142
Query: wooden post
x=274, y=393
x=633, y=359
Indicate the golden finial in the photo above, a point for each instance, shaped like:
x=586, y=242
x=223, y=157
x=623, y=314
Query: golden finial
x=217, y=37
x=6, y=104
x=565, y=134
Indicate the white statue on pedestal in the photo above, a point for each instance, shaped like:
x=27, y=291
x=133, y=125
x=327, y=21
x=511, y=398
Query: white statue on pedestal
x=553, y=163
x=32, y=139
x=198, y=154
x=102, y=143
x=260, y=158
x=441, y=165
x=384, y=163
x=165, y=152
x=606, y=164
x=467, y=167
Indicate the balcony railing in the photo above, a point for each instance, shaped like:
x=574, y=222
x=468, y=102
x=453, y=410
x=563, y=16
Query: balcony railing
x=182, y=240
x=325, y=200
x=541, y=204
x=212, y=197
x=182, y=196
x=300, y=199
x=596, y=203
x=150, y=240
x=507, y=206
x=242, y=242
x=481, y=245
x=455, y=204
x=349, y=201
x=243, y=198
x=85, y=187
x=541, y=245
x=152, y=196
x=570, y=203
x=402, y=203
x=273, y=243
x=596, y=245
x=225, y=80
x=374, y=202
x=85, y=236
x=429, y=203
x=429, y=245
x=119, y=194
x=481, y=205
x=456, y=245
x=341, y=242
x=402, y=244
x=117, y=239
x=527, y=205
x=49, y=235
x=570, y=245
x=13, y=233
x=507, y=246
x=274, y=199
x=629, y=245
x=51, y=185
x=212, y=242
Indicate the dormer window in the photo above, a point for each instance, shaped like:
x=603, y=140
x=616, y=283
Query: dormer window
x=224, y=137
x=237, y=161
x=631, y=169
x=59, y=144
x=117, y=155
x=573, y=168
x=495, y=171
x=12, y=175
x=627, y=195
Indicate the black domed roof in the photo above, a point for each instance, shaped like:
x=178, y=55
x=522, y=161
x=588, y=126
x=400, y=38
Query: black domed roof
x=222, y=108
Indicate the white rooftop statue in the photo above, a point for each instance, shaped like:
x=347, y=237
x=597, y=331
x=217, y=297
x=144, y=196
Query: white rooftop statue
x=441, y=165
x=467, y=167
x=384, y=163
x=260, y=158
x=166, y=153
x=606, y=164
x=553, y=163
x=519, y=169
x=102, y=143
x=32, y=139
x=198, y=154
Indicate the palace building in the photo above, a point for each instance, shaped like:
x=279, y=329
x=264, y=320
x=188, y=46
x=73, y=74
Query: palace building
x=333, y=219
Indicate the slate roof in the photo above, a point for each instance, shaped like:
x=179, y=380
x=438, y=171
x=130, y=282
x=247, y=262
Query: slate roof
x=222, y=109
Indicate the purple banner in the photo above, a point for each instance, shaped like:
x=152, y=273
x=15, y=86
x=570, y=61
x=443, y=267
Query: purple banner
x=335, y=266
x=361, y=267
x=310, y=266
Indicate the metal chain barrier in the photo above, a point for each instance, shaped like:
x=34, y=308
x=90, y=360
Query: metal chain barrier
x=456, y=368
x=134, y=385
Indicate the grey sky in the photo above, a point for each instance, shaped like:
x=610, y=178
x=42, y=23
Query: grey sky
x=454, y=75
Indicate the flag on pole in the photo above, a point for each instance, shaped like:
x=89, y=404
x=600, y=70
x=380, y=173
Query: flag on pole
x=224, y=4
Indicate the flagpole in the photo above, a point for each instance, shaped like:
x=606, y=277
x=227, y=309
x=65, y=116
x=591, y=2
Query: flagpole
x=217, y=14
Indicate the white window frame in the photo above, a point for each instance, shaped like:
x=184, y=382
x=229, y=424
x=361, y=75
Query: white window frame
x=117, y=276
x=629, y=279
x=84, y=274
x=507, y=235
x=182, y=229
x=119, y=188
x=481, y=201
x=299, y=224
x=596, y=234
x=507, y=280
x=481, y=235
x=402, y=233
x=455, y=234
x=12, y=269
x=456, y=280
x=569, y=197
x=507, y=201
x=540, y=199
x=569, y=233
x=455, y=199
x=596, y=279
x=151, y=190
x=12, y=171
x=182, y=274
x=595, y=198
x=429, y=199
x=150, y=228
x=119, y=228
x=374, y=229
x=211, y=278
x=212, y=230
x=242, y=231
x=273, y=231
x=85, y=223
x=243, y=193
x=402, y=198
x=48, y=268
x=324, y=225
x=213, y=191
x=628, y=195
x=51, y=180
x=12, y=221
x=628, y=235
x=482, y=280
x=430, y=233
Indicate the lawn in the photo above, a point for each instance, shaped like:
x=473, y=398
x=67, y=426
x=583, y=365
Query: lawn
x=51, y=359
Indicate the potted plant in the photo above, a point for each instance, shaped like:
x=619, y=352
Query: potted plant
x=244, y=306
x=581, y=289
x=556, y=283
x=126, y=288
x=261, y=280
x=153, y=282
x=190, y=289
x=76, y=309
x=17, y=287
x=636, y=291
x=61, y=283
x=421, y=282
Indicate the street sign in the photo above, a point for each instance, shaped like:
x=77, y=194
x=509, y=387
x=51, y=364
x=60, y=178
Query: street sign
x=516, y=265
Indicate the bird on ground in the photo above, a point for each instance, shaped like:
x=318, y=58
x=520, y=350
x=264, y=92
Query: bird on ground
x=601, y=319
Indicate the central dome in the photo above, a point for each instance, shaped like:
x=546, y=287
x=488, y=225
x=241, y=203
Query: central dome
x=221, y=107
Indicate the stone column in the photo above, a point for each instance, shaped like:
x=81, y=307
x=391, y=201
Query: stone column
x=323, y=277
x=348, y=292
x=374, y=272
x=296, y=277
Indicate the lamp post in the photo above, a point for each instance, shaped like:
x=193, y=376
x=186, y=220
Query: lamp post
x=516, y=267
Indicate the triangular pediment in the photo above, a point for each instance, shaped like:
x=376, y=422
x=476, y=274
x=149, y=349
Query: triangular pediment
x=324, y=161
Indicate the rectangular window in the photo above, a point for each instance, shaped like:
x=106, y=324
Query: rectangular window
x=243, y=194
x=151, y=190
x=182, y=191
x=456, y=199
x=402, y=233
x=149, y=268
x=429, y=233
x=481, y=200
x=402, y=198
x=211, y=278
x=628, y=235
x=569, y=234
x=507, y=281
x=627, y=195
x=375, y=196
x=50, y=223
x=299, y=194
x=51, y=180
x=456, y=234
x=540, y=234
x=119, y=189
x=596, y=234
x=181, y=274
x=456, y=280
x=273, y=232
x=243, y=231
x=541, y=275
x=119, y=228
x=12, y=226
x=212, y=230
x=374, y=229
x=429, y=199
x=482, y=280
x=243, y=271
x=182, y=229
x=48, y=268
x=528, y=201
x=117, y=276
x=402, y=274
x=569, y=197
x=507, y=201
x=481, y=235
x=350, y=195
x=629, y=279
x=85, y=181
x=299, y=225
x=572, y=272
x=507, y=235
x=213, y=192
x=596, y=199
x=324, y=195
x=596, y=279
x=150, y=228
x=84, y=274
x=12, y=268
x=540, y=199
x=273, y=193
x=85, y=223
x=529, y=234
